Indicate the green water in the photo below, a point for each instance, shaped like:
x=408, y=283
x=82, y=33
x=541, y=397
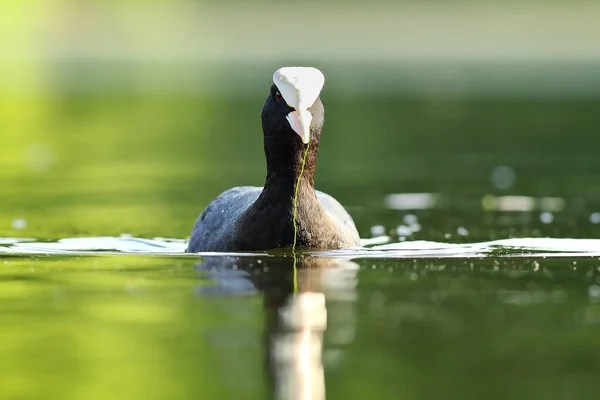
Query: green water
x=140, y=326
x=152, y=327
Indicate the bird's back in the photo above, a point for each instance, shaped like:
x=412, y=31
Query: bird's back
x=214, y=228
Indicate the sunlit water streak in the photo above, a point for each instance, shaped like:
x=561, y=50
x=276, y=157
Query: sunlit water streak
x=377, y=247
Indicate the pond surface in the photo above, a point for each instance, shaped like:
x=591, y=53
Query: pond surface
x=479, y=276
x=422, y=321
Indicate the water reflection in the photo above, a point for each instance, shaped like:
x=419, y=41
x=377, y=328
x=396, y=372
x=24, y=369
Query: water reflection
x=523, y=203
x=411, y=201
x=295, y=306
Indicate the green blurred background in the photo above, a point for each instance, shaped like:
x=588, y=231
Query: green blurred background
x=128, y=116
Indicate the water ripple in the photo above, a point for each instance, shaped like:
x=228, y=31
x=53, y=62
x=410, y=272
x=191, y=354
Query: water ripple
x=371, y=248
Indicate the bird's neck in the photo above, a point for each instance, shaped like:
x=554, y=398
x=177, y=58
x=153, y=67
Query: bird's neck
x=272, y=214
x=287, y=180
x=289, y=165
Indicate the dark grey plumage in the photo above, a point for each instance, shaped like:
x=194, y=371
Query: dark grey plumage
x=250, y=218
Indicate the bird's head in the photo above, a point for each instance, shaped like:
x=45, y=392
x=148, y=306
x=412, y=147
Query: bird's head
x=293, y=104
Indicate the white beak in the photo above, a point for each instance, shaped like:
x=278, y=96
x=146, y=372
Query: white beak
x=300, y=87
x=300, y=123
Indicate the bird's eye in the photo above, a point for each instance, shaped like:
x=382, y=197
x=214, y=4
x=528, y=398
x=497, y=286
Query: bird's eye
x=278, y=96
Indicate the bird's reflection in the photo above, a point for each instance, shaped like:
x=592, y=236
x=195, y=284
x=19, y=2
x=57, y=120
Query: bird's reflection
x=294, y=292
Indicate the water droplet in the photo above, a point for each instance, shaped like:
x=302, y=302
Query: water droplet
x=462, y=231
x=546, y=218
x=403, y=230
x=503, y=177
x=594, y=292
x=377, y=230
x=19, y=223
x=410, y=219
x=595, y=218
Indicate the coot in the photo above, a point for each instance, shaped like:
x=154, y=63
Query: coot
x=250, y=218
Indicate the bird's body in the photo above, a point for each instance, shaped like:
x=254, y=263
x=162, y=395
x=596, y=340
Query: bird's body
x=249, y=218
x=258, y=227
